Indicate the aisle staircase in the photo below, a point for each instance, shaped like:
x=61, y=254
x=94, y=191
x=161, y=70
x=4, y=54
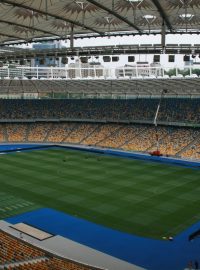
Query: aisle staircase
x=27, y=131
x=74, y=127
x=184, y=149
x=48, y=132
x=5, y=133
x=155, y=143
x=89, y=134
x=12, y=265
x=131, y=139
x=109, y=135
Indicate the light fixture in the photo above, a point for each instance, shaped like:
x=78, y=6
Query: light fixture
x=186, y=16
x=185, y=2
x=149, y=17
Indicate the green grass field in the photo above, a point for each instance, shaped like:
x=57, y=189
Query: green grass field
x=138, y=197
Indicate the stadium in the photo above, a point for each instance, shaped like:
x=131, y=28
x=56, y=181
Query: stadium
x=99, y=143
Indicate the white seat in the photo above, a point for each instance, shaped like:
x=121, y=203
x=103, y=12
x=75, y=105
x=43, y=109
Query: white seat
x=194, y=75
x=166, y=76
x=179, y=76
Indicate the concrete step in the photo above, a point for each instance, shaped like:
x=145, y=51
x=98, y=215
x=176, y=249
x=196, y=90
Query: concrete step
x=21, y=263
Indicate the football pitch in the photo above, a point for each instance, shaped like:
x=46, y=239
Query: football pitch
x=138, y=197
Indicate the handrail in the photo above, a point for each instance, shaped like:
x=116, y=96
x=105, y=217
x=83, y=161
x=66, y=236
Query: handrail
x=96, y=71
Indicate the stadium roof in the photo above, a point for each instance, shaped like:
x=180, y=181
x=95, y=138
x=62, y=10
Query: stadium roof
x=27, y=20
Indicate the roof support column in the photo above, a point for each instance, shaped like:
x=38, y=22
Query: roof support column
x=72, y=37
x=163, y=37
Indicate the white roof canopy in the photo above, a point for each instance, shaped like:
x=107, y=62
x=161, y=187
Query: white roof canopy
x=27, y=20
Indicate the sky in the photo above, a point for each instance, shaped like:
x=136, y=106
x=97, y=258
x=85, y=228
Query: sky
x=126, y=40
x=152, y=39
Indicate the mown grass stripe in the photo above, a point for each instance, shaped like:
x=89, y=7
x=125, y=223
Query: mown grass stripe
x=143, y=198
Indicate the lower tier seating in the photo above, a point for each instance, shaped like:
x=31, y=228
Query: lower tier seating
x=180, y=141
x=19, y=255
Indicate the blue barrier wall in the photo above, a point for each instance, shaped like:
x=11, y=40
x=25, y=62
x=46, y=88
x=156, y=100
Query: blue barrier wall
x=148, y=253
x=111, y=152
x=138, y=156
